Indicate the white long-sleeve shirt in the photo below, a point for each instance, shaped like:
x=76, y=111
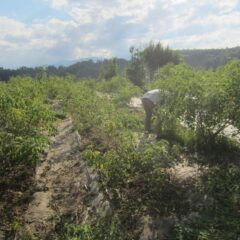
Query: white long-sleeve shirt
x=153, y=95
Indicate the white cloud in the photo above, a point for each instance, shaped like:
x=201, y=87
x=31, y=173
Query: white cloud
x=39, y=34
x=100, y=10
x=93, y=52
x=21, y=43
x=82, y=16
x=89, y=37
x=221, y=5
x=109, y=27
x=172, y=3
x=219, y=39
x=182, y=19
x=59, y=3
x=137, y=10
x=230, y=20
x=13, y=27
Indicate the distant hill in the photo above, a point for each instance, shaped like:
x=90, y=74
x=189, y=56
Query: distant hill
x=92, y=68
x=209, y=58
x=84, y=69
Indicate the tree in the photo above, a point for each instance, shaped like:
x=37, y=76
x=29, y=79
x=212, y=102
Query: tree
x=144, y=63
x=156, y=56
x=110, y=70
x=136, y=69
x=206, y=101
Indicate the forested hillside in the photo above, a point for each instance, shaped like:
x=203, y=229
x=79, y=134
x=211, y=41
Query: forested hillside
x=209, y=58
x=84, y=69
x=204, y=58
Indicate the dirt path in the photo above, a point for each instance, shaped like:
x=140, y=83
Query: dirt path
x=65, y=185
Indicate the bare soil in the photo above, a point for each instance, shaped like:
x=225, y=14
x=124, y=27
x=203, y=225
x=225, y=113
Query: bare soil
x=66, y=185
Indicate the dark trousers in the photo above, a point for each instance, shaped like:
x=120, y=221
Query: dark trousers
x=148, y=107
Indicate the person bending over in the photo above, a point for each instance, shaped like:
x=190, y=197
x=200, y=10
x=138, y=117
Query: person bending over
x=150, y=100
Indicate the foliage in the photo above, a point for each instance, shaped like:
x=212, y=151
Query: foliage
x=84, y=69
x=219, y=217
x=145, y=62
x=119, y=89
x=134, y=168
x=155, y=55
x=26, y=122
x=104, y=228
x=110, y=71
x=204, y=101
x=200, y=58
x=23, y=119
x=97, y=108
x=144, y=182
x=209, y=58
x=136, y=69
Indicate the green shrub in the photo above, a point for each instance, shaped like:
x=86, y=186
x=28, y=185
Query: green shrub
x=24, y=118
x=204, y=101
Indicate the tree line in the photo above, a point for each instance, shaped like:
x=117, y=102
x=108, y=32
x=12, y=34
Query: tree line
x=84, y=69
x=141, y=67
x=209, y=58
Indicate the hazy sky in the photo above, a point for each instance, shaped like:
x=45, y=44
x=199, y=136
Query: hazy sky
x=39, y=32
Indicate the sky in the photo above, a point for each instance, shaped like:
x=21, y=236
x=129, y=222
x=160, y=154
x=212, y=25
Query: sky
x=43, y=32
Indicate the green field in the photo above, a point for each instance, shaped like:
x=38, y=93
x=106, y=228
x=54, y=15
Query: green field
x=135, y=168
